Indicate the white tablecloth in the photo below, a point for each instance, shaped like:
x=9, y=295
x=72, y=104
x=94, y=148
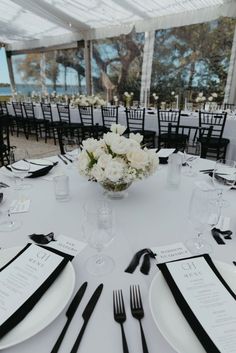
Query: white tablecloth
x=151, y=215
x=151, y=123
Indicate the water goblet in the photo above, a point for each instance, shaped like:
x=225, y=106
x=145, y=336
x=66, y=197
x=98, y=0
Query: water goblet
x=71, y=147
x=204, y=215
x=192, y=154
x=20, y=166
x=224, y=177
x=98, y=229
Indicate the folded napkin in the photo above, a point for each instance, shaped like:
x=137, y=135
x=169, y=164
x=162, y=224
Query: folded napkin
x=145, y=267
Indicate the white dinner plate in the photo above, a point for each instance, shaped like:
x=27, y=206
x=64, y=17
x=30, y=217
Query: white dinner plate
x=169, y=318
x=48, y=307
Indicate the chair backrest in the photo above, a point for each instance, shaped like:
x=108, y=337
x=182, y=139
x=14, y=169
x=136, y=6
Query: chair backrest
x=166, y=117
x=47, y=111
x=3, y=108
x=135, y=118
x=216, y=120
x=17, y=107
x=29, y=110
x=109, y=115
x=229, y=106
x=86, y=115
x=64, y=113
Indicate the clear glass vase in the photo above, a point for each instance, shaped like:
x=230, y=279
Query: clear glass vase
x=116, y=190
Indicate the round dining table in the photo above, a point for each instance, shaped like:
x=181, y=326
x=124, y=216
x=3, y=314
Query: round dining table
x=152, y=214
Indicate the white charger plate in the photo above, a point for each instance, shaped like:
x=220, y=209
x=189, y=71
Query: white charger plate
x=48, y=307
x=169, y=318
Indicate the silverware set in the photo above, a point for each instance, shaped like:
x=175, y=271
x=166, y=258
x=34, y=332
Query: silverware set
x=86, y=315
x=137, y=311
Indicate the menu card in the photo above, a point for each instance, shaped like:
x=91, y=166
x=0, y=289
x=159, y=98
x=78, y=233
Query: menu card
x=24, y=280
x=207, y=302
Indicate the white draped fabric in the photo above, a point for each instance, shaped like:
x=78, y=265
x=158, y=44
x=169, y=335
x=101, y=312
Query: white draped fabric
x=26, y=24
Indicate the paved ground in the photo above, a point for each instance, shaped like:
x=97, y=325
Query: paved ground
x=35, y=148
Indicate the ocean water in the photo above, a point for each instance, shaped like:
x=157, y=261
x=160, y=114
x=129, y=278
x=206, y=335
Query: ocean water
x=28, y=89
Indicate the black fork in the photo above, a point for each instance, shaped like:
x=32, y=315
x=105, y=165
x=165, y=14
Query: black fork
x=120, y=315
x=137, y=311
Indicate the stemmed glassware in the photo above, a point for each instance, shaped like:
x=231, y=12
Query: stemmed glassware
x=20, y=166
x=98, y=231
x=204, y=215
x=192, y=153
x=71, y=146
x=224, y=177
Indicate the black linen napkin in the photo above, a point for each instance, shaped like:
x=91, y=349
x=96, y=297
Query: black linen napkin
x=28, y=305
x=40, y=172
x=196, y=326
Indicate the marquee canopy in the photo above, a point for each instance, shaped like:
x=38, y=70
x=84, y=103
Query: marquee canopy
x=28, y=24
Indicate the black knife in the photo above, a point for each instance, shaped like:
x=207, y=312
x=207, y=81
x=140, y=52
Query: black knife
x=70, y=313
x=86, y=315
x=63, y=160
x=65, y=156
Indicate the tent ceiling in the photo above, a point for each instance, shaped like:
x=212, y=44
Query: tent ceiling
x=28, y=24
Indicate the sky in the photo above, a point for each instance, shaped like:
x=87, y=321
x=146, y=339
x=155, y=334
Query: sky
x=4, y=76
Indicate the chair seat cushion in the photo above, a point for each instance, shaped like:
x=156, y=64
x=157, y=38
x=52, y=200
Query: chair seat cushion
x=173, y=137
x=215, y=141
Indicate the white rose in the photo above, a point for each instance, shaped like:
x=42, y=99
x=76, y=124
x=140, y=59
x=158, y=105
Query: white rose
x=172, y=93
x=120, y=146
x=83, y=162
x=200, y=94
x=198, y=99
x=110, y=137
x=203, y=98
x=118, y=129
x=103, y=160
x=126, y=94
x=90, y=144
x=114, y=171
x=210, y=99
x=136, y=137
x=215, y=95
x=97, y=173
x=138, y=159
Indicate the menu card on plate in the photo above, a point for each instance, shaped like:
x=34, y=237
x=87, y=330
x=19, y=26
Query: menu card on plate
x=207, y=302
x=24, y=280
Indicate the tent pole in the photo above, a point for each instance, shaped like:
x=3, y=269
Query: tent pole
x=10, y=70
x=87, y=59
x=230, y=88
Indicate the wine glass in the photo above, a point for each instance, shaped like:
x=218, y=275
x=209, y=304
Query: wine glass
x=192, y=154
x=224, y=177
x=71, y=146
x=98, y=231
x=204, y=215
x=20, y=166
x=7, y=222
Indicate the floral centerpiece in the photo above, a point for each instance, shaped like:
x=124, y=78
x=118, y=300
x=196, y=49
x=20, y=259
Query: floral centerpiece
x=116, y=161
x=87, y=100
x=128, y=97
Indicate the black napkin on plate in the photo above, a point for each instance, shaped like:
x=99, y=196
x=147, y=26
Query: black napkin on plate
x=28, y=305
x=40, y=172
x=190, y=317
x=145, y=267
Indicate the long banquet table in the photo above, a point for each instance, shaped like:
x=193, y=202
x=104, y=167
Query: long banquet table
x=151, y=122
x=153, y=214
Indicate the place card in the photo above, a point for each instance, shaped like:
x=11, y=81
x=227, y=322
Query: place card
x=24, y=280
x=207, y=302
x=67, y=245
x=20, y=206
x=170, y=252
x=165, y=152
